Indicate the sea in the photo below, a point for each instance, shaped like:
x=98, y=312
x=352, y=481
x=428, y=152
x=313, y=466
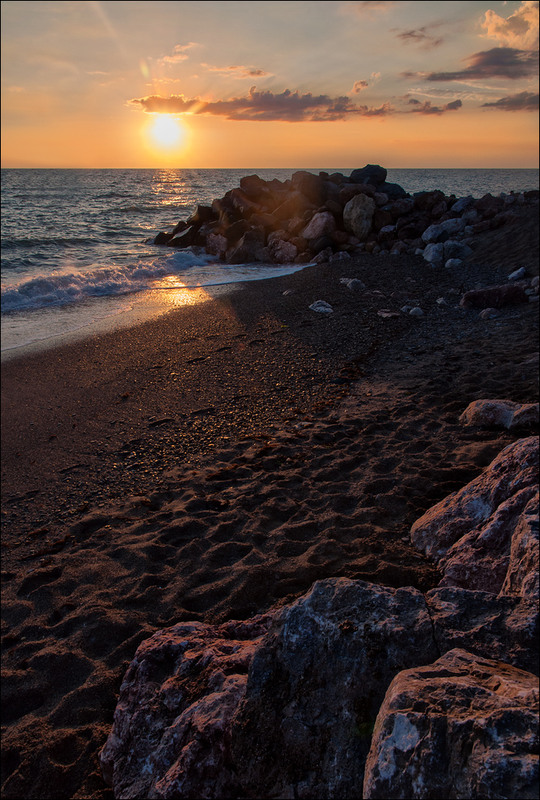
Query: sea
x=76, y=255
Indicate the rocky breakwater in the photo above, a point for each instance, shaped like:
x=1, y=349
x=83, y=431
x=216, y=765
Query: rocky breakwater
x=356, y=689
x=315, y=216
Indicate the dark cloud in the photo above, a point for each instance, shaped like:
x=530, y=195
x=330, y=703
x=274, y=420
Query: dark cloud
x=421, y=37
x=359, y=86
x=500, y=62
x=524, y=101
x=427, y=108
x=266, y=106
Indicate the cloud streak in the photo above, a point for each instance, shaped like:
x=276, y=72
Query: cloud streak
x=519, y=30
x=421, y=36
x=238, y=71
x=500, y=62
x=180, y=53
x=286, y=106
x=523, y=101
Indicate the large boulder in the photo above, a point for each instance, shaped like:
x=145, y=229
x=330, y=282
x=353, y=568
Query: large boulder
x=310, y=185
x=500, y=414
x=315, y=686
x=371, y=173
x=250, y=248
x=176, y=700
x=358, y=214
x=469, y=533
x=321, y=224
x=441, y=231
x=463, y=727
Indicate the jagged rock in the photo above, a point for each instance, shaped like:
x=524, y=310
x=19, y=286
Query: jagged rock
x=254, y=187
x=201, y=215
x=462, y=204
x=522, y=577
x=163, y=238
x=176, y=700
x=494, y=297
x=463, y=727
x=293, y=204
x=282, y=252
x=357, y=215
x=249, y=248
x=393, y=190
x=371, y=173
x=186, y=238
x=488, y=206
x=314, y=689
x=504, y=627
x=453, y=263
x=321, y=224
x=500, y=413
x=216, y=244
x=441, y=231
x=469, y=533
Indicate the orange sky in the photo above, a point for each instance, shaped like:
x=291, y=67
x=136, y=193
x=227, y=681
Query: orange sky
x=405, y=84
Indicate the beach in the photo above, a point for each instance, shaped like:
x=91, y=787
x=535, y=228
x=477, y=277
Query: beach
x=214, y=462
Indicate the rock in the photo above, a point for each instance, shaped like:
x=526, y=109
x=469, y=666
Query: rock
x=350, y=190
x=416, y=312
x=234, y=232
x=434, y=254
x=393, y=190
x=315, y=687
x=254, y=187
x=453, y=249
x=357, y=215
x=310, y=185
x=462, y=727
x=162, y=238
x=494, y=297
x=353, y=284
x=500, y=413
x=323, y=256
x=186, y=238
x=282, y=252
x=321, y=224
x=371, y=173
x=469, y=533
x=250, y=248
x=518, y=274
x=201, y=215
x=441, y=231
x=488, y=206
x=425, y=201
x=489, y=313
x=321, y=307
x=176, y=700
x=293, y=204
x=504, y=627
x=522, y=576
x=453, y=263
x=216, y=244
x=462, y=204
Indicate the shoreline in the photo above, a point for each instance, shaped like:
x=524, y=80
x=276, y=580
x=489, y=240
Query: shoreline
x=214, y=462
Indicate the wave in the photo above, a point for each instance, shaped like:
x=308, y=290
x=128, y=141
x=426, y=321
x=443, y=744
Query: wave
x=61, y=289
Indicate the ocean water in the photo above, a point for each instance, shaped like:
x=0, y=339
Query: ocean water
x=75, y=259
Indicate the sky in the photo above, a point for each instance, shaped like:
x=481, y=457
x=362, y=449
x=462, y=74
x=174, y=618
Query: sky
x=269, y=84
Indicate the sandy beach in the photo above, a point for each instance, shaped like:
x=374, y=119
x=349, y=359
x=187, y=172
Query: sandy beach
x=214, y=462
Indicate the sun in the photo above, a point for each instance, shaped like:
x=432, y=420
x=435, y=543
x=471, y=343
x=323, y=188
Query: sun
x=166, y=131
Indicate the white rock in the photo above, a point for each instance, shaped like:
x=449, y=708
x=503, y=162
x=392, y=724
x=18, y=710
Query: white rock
x=321, y=307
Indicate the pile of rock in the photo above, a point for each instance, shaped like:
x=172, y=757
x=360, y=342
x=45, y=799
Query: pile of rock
x=313, y=216
x=355, y=684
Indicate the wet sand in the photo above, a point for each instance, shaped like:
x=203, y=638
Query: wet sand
x=216, y=461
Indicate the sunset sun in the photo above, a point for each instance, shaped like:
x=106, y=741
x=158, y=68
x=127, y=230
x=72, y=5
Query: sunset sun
x=166, y=131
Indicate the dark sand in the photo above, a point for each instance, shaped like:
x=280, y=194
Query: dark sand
x=215, y=461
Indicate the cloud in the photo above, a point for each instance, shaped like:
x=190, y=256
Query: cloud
x=371, y=7
x=421, y=36
x=500, y=62
x=179, y=54
x=359, y=86
x=238, y=71
x=519, y=30
x=266, y=106
x=427, y=108
x=524, y=101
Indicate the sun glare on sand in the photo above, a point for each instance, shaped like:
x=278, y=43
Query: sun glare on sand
x=165, y=131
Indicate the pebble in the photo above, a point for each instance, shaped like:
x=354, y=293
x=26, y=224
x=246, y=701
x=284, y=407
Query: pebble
x=321, y=307
x=416, y=312
x=517, y=274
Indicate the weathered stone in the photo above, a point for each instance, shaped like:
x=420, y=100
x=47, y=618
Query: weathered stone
x=463, y=727
x=315, y=687
x=504, y=627
x=441, y=231
x=186, y=238
x=488, y=206
x=453, y=263
x=233, y=233
x=469, y=533
x=500, y=413
x=357, y=215
x=439, y=209
x=381, y=219
x=321, y=224
x=424, y=201
x=282, y=252
x=350, y=190
x=321, y=243
x=489, y=313
x=176, y=700
x=494, y=297
x=243, y=204
x=462, y=204
x=249, y=248
x=393, y=190
x=201, y=215
x=517, y=274
x=321, y=307
x=163, y=238
x=522, y=577
x=216, y=244
x=371, y=173
x=294, y=204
